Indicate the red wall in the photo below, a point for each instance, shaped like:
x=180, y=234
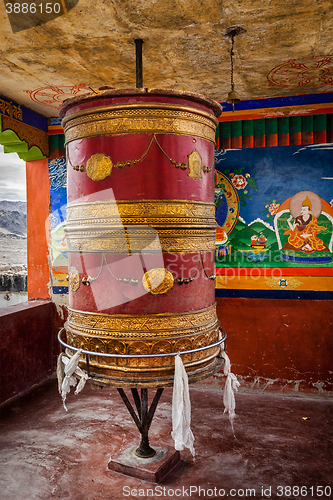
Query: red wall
x=279, y=344
x=26, y=348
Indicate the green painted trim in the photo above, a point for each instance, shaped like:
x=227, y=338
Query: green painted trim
x=319, y=123
x=57, y=141
x=236, y=128
x=225, y=131
x=271, y=126
x=283, y=125
x=13, y=144
x=259, y=127
x=295, y=124
x=34, y=153
x=248, y=128
x=307, y=123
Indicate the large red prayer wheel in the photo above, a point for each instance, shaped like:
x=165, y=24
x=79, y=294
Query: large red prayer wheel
x=141, y=233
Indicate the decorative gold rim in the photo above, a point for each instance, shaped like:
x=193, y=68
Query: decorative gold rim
x=137, y=367
x=106, y=378
x=145, y=241
x=141, y=326
x=139, y=105
x=143, y=118
x=140, y=212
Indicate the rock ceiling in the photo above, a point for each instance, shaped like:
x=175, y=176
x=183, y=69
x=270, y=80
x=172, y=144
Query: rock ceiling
x=45, y=58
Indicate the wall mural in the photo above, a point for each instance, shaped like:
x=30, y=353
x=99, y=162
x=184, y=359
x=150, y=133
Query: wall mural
x=274, y=218
x=58, y=247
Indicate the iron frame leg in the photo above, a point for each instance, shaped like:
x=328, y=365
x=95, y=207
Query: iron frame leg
x=143, y=418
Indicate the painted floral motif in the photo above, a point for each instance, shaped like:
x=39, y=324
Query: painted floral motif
x=240, y=181
x=271, y=209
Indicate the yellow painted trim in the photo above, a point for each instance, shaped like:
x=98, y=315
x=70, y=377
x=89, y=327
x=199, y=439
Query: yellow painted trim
x=275, y=112
x=310, y=283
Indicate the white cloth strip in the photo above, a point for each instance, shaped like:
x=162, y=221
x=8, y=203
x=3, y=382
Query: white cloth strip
x=181, y=409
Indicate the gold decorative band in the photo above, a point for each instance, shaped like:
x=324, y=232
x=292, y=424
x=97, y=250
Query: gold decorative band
x=134, y=327
x=148, y=346
x=134, y=239
x=142, y=118
x=165, y=213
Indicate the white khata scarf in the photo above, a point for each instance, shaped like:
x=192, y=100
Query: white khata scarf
x=181, y=409
x=231, y=385
x=66, y=367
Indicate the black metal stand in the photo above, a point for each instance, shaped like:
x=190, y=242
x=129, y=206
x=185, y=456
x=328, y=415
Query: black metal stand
x=144, y=417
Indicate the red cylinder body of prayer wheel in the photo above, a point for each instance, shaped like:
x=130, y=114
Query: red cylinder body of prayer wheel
x=141, y=232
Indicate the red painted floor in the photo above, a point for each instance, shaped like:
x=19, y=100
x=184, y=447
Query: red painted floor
x=47, y=453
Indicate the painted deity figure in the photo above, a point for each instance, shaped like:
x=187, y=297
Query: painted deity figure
x=304, y=229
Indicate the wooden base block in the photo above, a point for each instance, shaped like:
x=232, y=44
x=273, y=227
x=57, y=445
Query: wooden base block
x=152, y=469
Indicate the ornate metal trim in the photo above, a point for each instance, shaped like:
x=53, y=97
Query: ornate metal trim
x=142, y=118
x=142, y=240
x=150, y=326
x=153, y=213
x=157, y=355
x=147, y=347
x=74, y=279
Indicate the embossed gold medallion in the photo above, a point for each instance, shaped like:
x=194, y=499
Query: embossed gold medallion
x=194, y=165
x=157, y=281
x=74, y=279
x=99, y=166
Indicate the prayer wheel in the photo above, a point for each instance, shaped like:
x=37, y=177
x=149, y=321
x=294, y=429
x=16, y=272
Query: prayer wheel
x=141, y=233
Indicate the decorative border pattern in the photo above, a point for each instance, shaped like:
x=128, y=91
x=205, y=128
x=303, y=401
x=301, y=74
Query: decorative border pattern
x=141, y=212
x=151, y=346
x=12, y=109
x=143, y=118
x=33, y=136
x=141, y=326
x=142, y=240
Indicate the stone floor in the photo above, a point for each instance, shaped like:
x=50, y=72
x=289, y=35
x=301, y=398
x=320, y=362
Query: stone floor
x=282, y=448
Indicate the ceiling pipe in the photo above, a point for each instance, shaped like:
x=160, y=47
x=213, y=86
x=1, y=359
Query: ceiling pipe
x=138, y=56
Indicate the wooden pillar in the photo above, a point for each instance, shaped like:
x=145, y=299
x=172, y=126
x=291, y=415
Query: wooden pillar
x=38, y=201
